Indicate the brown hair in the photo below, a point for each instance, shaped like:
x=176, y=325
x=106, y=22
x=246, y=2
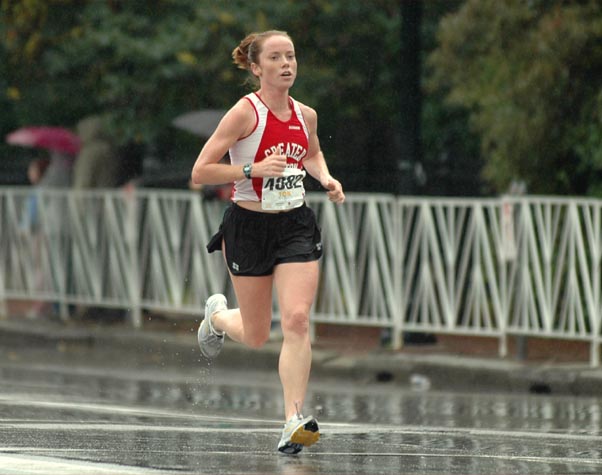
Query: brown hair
x=248, y=50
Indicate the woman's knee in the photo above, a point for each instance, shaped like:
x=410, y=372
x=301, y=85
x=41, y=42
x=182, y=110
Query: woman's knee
x=296, y=323
x=257, y=340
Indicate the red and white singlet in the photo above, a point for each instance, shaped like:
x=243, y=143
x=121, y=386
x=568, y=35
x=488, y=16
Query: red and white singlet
x=269, y=136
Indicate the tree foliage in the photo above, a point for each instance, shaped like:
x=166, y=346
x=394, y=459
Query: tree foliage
x=530, y=76
x=142, y=63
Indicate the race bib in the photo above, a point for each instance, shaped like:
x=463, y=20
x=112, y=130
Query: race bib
x=283, y=192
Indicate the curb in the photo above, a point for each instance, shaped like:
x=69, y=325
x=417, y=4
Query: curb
x=420, y=372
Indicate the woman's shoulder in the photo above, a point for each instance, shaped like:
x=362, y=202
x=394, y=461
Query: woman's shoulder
x=243, y=109
x=238, y=120
x=309, y=114
x=245, y=104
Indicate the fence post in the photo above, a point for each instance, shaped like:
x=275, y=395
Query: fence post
x=3, y=308
x=131, y=197
x=508, y=253
x=399, y=314
x=3, y=221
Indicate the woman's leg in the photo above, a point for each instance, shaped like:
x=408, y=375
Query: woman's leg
x=250, y=323
x=296, y=284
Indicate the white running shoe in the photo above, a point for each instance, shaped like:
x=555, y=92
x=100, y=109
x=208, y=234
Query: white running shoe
x=211, y=342
x=298, y=432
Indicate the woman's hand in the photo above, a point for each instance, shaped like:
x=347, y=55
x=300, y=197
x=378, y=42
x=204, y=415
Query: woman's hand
x=334, y=190
x=272, y=165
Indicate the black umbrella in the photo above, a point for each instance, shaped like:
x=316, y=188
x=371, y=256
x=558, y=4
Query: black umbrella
x=201, y=122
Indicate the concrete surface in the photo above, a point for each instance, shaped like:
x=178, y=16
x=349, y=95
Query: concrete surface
x=450, y=364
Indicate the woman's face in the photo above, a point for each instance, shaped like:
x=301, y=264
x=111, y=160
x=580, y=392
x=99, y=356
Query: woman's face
x=34, y=172
x=277, y=63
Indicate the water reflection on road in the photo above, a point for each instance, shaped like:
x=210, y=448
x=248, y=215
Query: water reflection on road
x=120, y=420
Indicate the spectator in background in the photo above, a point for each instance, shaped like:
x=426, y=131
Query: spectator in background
x=59, y=172
x=44, y=211
x=30, y=230
x=97, y=164
x=35, y=172
x=36, y=169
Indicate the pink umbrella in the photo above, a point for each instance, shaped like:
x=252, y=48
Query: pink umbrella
x=58, y=139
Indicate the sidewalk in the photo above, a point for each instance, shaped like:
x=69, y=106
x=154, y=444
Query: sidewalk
x=452, y=363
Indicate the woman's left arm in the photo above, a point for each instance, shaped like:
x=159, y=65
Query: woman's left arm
x=314, y=162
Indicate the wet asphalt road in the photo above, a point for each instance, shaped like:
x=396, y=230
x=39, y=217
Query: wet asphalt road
x=81, y=411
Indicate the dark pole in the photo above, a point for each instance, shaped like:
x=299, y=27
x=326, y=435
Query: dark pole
x=410, y=101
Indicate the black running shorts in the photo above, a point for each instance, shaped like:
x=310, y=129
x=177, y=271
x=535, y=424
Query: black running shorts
x=256, y=242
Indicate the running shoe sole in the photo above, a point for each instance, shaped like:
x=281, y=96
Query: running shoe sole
x=303, y=436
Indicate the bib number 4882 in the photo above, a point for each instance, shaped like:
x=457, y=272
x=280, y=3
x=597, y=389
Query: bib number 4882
x=283, y=192
x=283, y=182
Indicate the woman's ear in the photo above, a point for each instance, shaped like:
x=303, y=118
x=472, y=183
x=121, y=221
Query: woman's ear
x=256, y=69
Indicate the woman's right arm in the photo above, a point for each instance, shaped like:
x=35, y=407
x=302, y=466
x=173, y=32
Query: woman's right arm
x=238, y=122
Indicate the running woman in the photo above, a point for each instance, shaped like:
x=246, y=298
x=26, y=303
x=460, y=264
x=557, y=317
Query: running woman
x=268, y=236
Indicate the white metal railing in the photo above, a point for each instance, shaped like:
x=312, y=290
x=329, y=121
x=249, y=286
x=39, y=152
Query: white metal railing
x=490, y=267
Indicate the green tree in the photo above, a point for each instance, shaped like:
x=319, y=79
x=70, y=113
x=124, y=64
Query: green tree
x=529, y=74
x=451, y=157
x=142, y=63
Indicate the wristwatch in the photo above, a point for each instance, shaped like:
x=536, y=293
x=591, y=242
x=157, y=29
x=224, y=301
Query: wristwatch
x=247, y=170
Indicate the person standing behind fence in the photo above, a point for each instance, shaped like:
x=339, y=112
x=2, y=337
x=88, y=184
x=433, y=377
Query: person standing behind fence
x=35, y=172
x=268, y=235
x=30, y=228
x=97, y=164
x=47, y=214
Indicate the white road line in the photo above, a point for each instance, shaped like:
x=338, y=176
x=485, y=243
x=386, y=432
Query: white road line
x=423, y=429
x=118, y=427
x=23, y=400
x=340, y=428
x=34, y=465
x=331, y=428
x=18, y=461
x=510, y=457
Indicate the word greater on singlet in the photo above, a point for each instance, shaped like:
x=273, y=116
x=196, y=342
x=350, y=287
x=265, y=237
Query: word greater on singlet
x=272, y=135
